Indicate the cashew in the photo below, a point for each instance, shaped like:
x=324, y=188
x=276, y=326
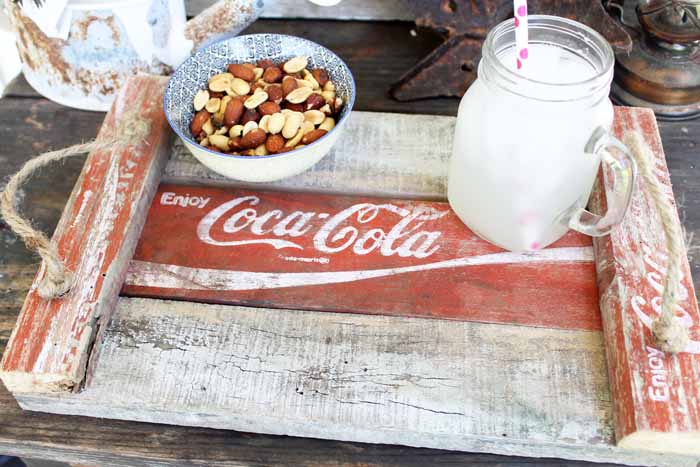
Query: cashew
x=292, y=124
x=276, y=123
x=256, y=99
x=299, y=95
x=295, y=64
x=201, y=99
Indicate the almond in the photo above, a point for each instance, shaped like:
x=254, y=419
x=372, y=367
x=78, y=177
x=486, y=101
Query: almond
x=295, y=64
x=314, y=101
x=242, y=71
x=235, y=143
x=274, y=143
x=294, y=107
x=299, y=95
x=275, y=93
x=233, y=113
x=200, y=99
x=272, y=75
x=198, y=122
x=312, y=136
x=268, y=108
x=289, y=84
x=321, y=76
x=253, y=139
x=250, y=115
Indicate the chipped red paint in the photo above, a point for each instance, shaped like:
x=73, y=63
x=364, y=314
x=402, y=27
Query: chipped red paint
x=516, y=289
x=651, y=391
x=95, y=236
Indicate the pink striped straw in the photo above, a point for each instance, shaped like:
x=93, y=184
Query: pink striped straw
x=521, y=40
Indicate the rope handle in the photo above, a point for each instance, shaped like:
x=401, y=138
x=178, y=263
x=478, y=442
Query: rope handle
x=669, y=333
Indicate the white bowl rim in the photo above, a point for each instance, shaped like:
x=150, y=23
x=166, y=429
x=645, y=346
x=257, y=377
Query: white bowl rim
x=177, y=131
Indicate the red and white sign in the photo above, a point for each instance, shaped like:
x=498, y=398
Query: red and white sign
x=347, y=254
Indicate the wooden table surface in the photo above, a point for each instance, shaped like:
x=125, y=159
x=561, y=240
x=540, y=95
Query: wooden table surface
x=378, y=53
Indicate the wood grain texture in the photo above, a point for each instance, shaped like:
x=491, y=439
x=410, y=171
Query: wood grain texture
x=432, y=383
x=353, y=254
x=352, y=165
x=656, y=396
x=49, y=347
x=384, y=10
x=121, y=443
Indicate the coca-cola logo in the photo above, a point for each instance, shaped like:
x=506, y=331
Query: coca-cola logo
x=408, y=237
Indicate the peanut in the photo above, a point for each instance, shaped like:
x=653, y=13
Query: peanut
x=328, y=96
x=316, y=117
x=274, y=143
x=276, y=123
x=253, y=139
x=329, y=86
x=258, y=73
x=201, y=99
x=289, y=84
x=208, y=127
x=292, y=124
x=310, y=78
x=296, y=64
x=328, y=124
x=198, y=122
x=248, y=127
x=305, y=128
x=312, y=136
x=236, y=130
x=263, y=123
x=268, y=108
x=242, y=71
x=272, y=75
x=299, y=95
x=256, y=99
x=220, y=141
x=261, y=150
x=240, y=87
x=220, y=82
x=213, y=105
x=321, y=76
x=233, y=112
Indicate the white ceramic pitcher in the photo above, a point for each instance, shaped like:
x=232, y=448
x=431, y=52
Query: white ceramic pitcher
x=79, y=52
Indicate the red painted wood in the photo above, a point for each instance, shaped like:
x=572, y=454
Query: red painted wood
x=652, y=391
x=518, y=289
x=96, y=237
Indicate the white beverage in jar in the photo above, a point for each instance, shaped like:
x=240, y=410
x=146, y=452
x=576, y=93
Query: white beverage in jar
x=519, y=166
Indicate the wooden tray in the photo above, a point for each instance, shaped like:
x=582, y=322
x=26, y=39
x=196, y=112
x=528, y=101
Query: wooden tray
x=427, y=340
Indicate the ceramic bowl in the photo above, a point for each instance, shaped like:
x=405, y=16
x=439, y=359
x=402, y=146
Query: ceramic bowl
x=194, y=74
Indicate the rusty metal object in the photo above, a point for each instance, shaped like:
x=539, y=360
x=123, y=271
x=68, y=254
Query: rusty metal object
x=451, y=68
x=662, y=70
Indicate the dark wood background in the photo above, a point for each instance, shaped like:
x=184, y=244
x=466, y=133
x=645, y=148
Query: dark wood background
x=378, y=53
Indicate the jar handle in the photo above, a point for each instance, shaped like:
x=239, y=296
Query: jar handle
x=619, y=159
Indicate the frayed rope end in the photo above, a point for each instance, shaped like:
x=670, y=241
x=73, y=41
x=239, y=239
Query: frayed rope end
x=671, y=336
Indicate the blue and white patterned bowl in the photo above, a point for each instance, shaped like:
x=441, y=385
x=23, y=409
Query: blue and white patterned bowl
x=194, y=75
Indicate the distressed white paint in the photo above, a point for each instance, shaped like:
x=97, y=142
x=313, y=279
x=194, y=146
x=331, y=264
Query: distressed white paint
x=442, y=384
x=380, y=10
x=367, y=159
x=148, y=274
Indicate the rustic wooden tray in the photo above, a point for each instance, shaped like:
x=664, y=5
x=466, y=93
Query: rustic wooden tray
x=462, y=347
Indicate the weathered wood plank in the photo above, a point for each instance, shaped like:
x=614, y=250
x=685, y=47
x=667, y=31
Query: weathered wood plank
x=368, y=159
x=432, y=383
x=656, y=396
x=356, y=255
x=49, y=346
x=384, y=10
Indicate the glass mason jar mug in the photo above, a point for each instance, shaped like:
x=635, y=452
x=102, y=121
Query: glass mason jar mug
x=528, y=146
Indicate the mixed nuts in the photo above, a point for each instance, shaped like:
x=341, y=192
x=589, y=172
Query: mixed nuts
x=267, y=108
